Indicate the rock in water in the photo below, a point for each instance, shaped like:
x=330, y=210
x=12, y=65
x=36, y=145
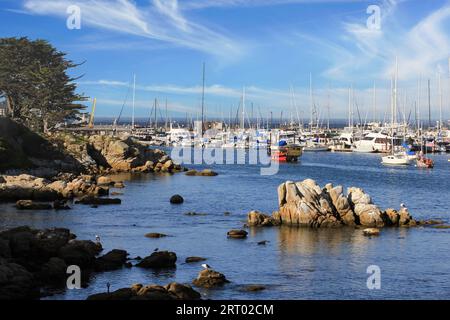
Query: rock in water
x=237, y=234
x=195, y=259
x=371, y=232
x=209, y=279
x=30, y=205
x=307, y=204
x=113, y=260
x=89, y=200
x=159, y=259
x=176, y=199
x=155, y=235
x=256, y=218
x=173, y=291
x=182, y=292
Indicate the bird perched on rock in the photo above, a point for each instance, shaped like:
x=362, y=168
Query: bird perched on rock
x=206, y=267
x=403, y=206
x=97, y=238
x=156, y=250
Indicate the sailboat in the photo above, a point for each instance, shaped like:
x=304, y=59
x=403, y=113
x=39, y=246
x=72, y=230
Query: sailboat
x=395, y=159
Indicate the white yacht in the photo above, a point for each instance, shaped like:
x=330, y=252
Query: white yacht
x=373, y=142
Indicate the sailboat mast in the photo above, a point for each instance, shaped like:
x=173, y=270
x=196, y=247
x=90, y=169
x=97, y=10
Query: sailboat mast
x=134, y=101
x=203, y=99
x=440, y=102
x=243, y=109
x=312, y=100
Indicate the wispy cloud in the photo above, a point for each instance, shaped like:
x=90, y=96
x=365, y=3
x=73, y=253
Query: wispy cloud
x=203, y=4
x=162, y=20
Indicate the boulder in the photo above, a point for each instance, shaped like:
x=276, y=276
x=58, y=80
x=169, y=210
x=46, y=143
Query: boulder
x=120, y=295
x=176, y=199
x=209, y=279
x=159, y=259
x=393, y=217
x=80, y=253
x=104, y=181
x=237, y=234
x=369, y=215
x=53, y=272
x=113, y=260
x=256, y=218
x=182, y=292
x=16, y=283
x=31, y=205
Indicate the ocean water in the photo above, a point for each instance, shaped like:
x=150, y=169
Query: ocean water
x=297, y=263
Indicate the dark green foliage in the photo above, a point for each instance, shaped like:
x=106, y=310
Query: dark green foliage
x=35, y=83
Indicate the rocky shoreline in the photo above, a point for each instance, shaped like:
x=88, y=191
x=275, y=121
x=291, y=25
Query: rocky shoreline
x=75, y=166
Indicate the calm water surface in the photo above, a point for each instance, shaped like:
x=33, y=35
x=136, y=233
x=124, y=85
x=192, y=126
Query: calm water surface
x=296, y=263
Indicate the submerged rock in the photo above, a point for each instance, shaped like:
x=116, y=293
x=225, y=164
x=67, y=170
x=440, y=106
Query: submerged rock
x=155, y=235
x=204, y=173
x=30, y=205
x=209, y=279
x=90, y=200
x=195, y=259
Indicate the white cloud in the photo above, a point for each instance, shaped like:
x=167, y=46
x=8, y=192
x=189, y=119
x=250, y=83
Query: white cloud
x=161, y=20
x=203, y=4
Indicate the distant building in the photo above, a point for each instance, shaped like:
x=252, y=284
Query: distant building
x=2, y=109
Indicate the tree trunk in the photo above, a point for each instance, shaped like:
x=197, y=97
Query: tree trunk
x=9, y=107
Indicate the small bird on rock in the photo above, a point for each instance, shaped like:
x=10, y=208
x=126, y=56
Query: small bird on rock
x=206, y=267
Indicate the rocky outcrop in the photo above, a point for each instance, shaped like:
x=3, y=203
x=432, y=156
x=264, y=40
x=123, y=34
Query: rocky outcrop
x=158, y=260
x=172, y=291
x=113, y=260
x=307, y=204
x=26, y=187
x=127, y=155
x=32, y=259
x=209, y=279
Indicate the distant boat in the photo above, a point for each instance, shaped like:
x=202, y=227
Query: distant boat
x=396, y=160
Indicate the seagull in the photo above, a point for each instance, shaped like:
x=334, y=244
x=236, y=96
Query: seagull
x=97, y=238
x=156, y=250
x=403, y=205
x=206, y=267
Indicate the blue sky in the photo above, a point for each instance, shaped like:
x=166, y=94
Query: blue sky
x=268, y=46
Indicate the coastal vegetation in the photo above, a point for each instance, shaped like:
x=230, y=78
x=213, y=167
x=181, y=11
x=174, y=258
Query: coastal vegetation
x=35, y=82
